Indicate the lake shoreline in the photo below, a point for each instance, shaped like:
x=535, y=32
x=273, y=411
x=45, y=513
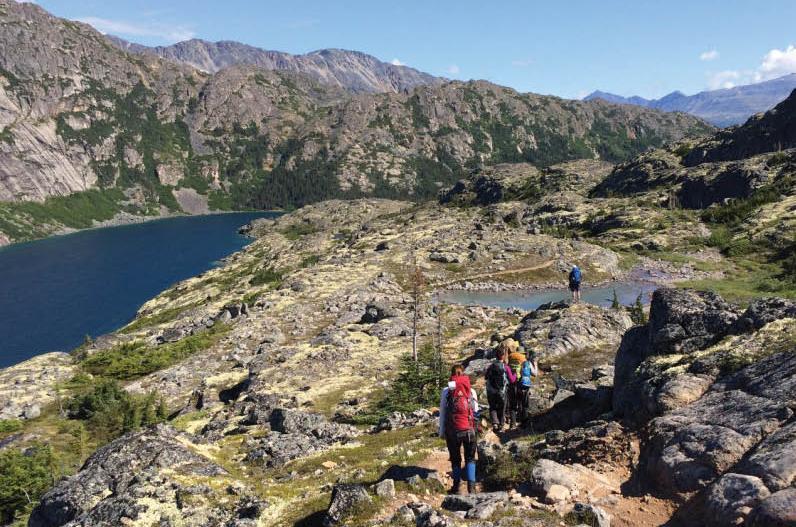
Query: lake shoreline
x=93, y=281
x=124, y=220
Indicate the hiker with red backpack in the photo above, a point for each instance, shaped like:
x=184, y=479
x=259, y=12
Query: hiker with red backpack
x=458, y=411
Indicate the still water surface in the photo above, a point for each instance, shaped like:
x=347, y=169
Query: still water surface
x=56, y=291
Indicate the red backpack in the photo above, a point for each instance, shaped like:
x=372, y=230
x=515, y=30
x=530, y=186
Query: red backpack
x=460, y=416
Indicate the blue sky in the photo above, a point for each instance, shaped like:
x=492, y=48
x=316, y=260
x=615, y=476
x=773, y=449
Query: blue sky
x=566, y=47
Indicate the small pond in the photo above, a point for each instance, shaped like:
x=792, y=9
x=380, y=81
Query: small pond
x=528, y=300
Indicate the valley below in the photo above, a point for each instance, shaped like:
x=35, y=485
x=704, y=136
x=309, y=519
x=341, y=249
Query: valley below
x=176, y=373
x=276, y=388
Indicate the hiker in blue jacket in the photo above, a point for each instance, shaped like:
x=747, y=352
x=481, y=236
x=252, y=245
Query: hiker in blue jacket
x=575, y=277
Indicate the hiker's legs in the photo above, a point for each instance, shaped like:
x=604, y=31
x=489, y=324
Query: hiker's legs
x=522, y=404
x=469, y=446
x=512, y=406
x=455, y=453
x=502, y=411
x=496, y=408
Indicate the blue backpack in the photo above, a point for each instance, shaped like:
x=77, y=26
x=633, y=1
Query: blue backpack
x=525, y=374
x=574, y=275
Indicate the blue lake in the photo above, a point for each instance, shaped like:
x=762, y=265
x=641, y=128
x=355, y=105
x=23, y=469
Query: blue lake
x=56, y=291
x=626, y=292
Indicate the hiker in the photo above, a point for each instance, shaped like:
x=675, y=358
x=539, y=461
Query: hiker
x=529, y=368
x=575, y=278
x=516, y=359
x=498, y=378
x=458, y=414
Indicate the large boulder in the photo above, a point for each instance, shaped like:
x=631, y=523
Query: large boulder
x=142, y=477
x=295, y=434
x=346, y=499
x=682, y=322
x=737, y=441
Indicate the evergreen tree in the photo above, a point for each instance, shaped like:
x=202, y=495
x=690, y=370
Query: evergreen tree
x=615, y=305
x=637, y=313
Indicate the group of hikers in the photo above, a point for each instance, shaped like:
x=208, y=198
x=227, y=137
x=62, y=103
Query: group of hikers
x=508, y=384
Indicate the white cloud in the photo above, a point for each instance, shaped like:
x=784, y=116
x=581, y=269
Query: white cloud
x=711, y=54
x=522, y=63
x=396, y=62
x=453, y=69
x=165, y=32
x=725, y=79
x=776, y=63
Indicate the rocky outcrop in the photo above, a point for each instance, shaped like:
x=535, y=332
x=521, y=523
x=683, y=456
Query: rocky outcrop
x=147, y=476
x=296, y=434
x=676, y=357
x=26, y=388
x=489, y=185
x=772, y=131
x=717, y=385
x=556, y=329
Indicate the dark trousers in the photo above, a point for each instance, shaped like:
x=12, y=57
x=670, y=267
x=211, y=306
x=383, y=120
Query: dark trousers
x=521, y=401
x=497, y=409
x=514, y=403
x=458, y=442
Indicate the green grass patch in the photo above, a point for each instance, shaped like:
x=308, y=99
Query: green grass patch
x=417, y=386
x=166, y=315
x=309, y=261
x=28, y=220
x=135, y=359
x=298, y=230
x=266, y=276
x=8, y=426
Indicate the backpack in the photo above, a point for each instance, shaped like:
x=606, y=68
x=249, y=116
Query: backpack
x=574, y=275
x=496, y=379
x=525, y=374
x=515, y=362
x=460, y=416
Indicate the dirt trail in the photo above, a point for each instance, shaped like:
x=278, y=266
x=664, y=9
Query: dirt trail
x=496, y=273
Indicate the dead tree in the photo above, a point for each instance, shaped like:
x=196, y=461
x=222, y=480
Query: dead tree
x=418, y=282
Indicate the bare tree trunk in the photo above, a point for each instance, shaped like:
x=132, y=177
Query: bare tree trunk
x=418, y=281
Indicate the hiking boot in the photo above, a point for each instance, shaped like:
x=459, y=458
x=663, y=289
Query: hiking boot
x=457, y=487
x=471, y=487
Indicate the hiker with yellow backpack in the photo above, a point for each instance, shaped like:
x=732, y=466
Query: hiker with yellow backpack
x=524, y=368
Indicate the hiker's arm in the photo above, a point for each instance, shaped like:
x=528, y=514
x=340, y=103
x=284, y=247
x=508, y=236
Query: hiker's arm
x=510, y=374
x=534, y=368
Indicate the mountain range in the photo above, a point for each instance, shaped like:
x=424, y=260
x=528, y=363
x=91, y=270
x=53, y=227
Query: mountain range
x=725, y=107
x=91, y=131
x=351, y=70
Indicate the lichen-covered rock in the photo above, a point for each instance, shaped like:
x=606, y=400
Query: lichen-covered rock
x=662, y=366
x=778, y=510
x=731, y=498
x=345, y=499
x=691, y=447
x=555, y=330
x=30, y=385
x=146, y=476
x=295, y=434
